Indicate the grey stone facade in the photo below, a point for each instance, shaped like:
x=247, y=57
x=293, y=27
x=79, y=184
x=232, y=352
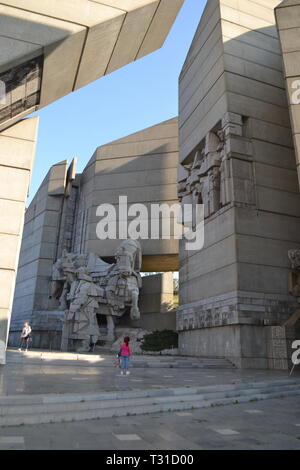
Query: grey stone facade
x=232, y=87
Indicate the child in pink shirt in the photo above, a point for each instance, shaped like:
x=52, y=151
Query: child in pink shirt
x=125, y=353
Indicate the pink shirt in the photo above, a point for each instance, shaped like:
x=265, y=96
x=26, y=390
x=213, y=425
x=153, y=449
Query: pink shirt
x=125, y=350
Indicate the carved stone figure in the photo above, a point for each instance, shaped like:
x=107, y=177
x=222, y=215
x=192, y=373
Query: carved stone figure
x=214, y=190
x=294, y=257
x=81, y=315
x=202, y=185
x=63, y=275
x=294, y=275
x=97, y=288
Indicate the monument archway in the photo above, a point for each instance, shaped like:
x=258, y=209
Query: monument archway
x=36, y=37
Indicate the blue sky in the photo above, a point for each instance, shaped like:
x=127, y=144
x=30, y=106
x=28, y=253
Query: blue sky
x=137, y=96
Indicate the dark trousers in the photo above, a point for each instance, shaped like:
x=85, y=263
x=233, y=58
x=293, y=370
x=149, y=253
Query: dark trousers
x=25, y=341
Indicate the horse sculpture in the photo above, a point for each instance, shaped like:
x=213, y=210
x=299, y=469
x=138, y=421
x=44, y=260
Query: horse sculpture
x=99, y=288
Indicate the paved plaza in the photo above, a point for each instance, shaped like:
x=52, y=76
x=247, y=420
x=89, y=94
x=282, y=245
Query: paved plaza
x=46, y=373
x=257, y=424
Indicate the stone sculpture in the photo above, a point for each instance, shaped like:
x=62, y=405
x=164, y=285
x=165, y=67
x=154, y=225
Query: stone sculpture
x=86, y=286
x=294, y=278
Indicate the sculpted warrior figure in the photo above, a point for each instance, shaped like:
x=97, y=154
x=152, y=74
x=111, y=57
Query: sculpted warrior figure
x=202, y=184
x=81, y=314
x=102, y=289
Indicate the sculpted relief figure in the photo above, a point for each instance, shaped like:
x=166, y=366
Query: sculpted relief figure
x=92, y=287
x=63, y=275
x=124, y=279
x=203, y=182
x=294, y=275
x=81, y=315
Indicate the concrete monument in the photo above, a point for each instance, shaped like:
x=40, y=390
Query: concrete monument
x=237, y=157
x=98, y=289
x=60, y=228
x=35, y=39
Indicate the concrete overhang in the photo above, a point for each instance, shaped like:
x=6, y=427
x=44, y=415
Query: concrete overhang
x=50, y=48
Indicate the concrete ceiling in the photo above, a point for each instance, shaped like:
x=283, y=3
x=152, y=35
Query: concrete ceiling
x=79, y=41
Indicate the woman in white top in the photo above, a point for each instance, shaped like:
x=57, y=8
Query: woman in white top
x=25, y=336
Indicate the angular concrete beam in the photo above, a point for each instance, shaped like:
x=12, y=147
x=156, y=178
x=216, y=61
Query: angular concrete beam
x=77, y=42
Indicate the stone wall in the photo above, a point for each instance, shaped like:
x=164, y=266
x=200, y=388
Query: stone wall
x=232, y=82
x=62, y=215
x=156, y=303
x=143, y=167
x=39, y=249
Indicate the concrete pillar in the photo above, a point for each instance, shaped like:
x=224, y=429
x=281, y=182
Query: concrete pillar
x=288, y=24
x=17, y=150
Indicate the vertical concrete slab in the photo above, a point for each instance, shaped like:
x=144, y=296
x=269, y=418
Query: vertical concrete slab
x=232, y=92
x=17, y=151
x=39, y=249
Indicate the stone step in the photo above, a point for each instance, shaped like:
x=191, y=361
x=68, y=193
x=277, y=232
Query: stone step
x=60, y=358
x=96, y=404
x=59, y=408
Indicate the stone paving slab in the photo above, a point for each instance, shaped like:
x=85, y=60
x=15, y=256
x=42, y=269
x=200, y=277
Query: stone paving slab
x=23, y=377
x=229, y=427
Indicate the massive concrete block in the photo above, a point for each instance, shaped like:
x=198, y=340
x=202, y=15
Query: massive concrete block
x=17, y=150
x=40, y=245
x=141, y=167
x=234, y=117
x=288, y=24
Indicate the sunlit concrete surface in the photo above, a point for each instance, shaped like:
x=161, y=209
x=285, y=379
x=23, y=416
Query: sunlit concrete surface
x=37, y=372
x=63, y=45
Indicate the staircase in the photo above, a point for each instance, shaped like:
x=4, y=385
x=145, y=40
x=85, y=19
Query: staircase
x=17, y=410
x=106, y=359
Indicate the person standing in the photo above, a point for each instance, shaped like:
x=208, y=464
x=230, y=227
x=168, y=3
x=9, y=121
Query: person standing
x=25, y=336
x=125, y=353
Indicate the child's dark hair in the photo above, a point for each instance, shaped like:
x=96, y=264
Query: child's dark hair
x=126, y=340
